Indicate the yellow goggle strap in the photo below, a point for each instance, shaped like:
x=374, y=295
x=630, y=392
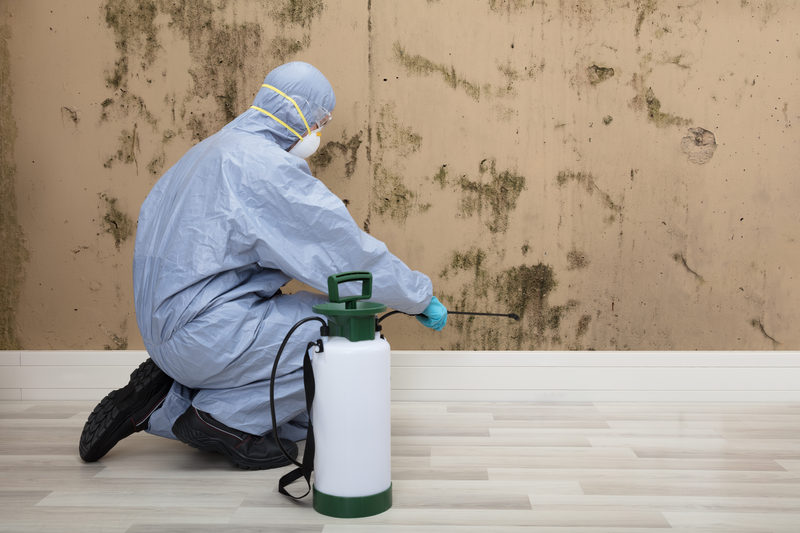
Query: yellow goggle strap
x=279, y=121
x=308, y=128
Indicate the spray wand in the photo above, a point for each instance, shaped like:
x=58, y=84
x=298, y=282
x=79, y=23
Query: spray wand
x=511, y=315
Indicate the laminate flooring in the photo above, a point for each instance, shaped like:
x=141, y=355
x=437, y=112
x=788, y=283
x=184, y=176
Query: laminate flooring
x=456, y=467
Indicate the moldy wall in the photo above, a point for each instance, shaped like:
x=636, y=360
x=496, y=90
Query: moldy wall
x=620, y=173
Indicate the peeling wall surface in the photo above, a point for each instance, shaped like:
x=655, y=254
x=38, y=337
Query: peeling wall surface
x=620, y=174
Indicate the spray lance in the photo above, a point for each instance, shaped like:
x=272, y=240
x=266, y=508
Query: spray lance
x=348, y=445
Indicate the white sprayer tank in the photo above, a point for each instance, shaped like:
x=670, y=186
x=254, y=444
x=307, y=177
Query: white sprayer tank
x=351, y=413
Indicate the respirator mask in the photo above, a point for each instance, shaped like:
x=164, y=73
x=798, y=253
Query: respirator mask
x=309, y=142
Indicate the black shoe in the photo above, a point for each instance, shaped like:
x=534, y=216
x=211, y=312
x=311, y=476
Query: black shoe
x=124, y=411
x=200, y=430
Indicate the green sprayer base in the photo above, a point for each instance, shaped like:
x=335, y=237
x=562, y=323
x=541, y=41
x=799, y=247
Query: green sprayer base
x=356, y=507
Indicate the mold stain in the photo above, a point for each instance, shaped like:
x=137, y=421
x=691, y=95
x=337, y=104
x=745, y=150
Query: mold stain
x=646, y=101
x=576, y=260
x=12, y=240
x=346, y=148
x=499, y=195
x=116, y=222
x=681, y=260
x=393, y=198
x=441, y=177
x=644, y=8
x=129, y=146
x=134, y=27
x=586, y=180
x=526, y=248
x=392, y=136
x=510, y=6
x=599, y=74
x=156, y=164
x=118, y=341
x=758, y=325
x=421, y=66
x=523, y=289
x=299, y=12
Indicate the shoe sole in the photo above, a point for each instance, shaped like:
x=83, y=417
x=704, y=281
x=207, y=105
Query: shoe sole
x=111, y=421
x=203, y=442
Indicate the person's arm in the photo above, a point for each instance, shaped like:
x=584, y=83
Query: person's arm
x=306, y=232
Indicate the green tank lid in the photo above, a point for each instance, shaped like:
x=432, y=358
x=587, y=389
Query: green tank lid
x=348, y=316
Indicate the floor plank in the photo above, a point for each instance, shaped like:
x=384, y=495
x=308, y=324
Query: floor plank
x=456, y=467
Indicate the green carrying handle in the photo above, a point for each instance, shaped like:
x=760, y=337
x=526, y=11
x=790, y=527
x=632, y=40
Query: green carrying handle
x=344, y=277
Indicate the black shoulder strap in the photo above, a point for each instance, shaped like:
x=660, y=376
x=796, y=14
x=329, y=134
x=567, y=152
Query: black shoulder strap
x=308, y=455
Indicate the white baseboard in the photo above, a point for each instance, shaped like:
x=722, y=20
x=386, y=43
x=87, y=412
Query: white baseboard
x=470, y=376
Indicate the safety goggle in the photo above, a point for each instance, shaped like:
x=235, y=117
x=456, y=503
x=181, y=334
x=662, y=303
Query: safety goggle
x=320, y=115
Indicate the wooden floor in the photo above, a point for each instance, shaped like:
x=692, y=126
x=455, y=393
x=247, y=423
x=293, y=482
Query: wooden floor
x=461, y=467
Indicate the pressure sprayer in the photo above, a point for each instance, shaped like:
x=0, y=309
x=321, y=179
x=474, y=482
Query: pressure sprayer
x=348, y=397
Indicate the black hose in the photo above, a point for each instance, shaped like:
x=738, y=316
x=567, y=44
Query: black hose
x=272, y=386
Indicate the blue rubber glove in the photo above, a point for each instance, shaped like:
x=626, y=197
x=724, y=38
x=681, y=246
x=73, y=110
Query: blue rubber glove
x=434, y=316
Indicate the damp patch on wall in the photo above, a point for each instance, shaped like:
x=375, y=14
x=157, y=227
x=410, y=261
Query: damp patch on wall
x=116, y=222
x=699, y=145
x=499, y=195
x=12, y=241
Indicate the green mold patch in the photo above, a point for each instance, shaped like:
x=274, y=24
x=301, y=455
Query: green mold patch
x=156, y=164
x=441, y=177
x=510, y=6
x=116, y=222
x=523, y=289
x=128, y=148
x=118, y=341
x=587, y=181
x=644, y=8
x=576, y=260
x=393, y=199
x=284, y=48
x=599, y=74
x=12, y=240
x=583, y=326
x=646, y=101
x=347, y=148
x=390, y=135
x=133, y=22
x=499, y=195
x=421, y=66
x=299, y=12
x=472, y=261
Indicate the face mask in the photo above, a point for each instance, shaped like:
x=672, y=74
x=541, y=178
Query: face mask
x=306, y=146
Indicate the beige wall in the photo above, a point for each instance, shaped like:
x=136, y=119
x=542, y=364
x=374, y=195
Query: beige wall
x=622, y=174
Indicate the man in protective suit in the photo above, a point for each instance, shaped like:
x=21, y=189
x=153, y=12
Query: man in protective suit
x=233, y=221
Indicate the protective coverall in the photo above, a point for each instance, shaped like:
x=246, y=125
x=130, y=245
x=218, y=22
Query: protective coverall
x=220, y=233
